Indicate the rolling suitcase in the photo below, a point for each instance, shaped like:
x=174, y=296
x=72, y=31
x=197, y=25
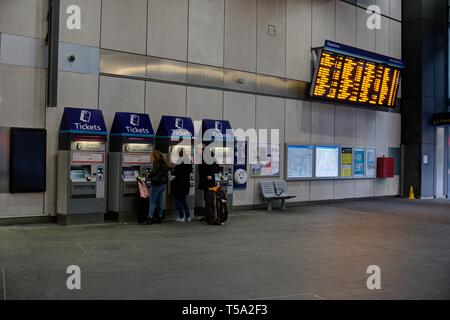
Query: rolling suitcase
x=216, y=206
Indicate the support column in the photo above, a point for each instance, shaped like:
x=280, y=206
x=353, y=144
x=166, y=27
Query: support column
x=424, y=91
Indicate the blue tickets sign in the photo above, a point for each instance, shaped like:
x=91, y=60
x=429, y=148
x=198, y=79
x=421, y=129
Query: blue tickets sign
x=175, y=127
x=132, y=125
x=83, y=121
x=217, y=129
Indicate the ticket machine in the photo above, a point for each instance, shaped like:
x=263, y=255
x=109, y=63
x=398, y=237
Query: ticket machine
x=218, y=138
x=82, y=170
x=174, y=134
x=130, y=148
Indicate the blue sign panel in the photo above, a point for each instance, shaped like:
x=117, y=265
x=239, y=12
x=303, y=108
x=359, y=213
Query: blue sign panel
x=217, y=129
x=363, y=54
x=83, y=121
x=240, y=165
x=359, y=162
x=132, y=125
x=173, y=127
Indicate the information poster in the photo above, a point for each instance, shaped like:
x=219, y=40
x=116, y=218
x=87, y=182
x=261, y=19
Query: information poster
x=327, y=162
x=371, y=162
x=347, y=162
x=359, y=162
x=268, y=160
x=299, y=162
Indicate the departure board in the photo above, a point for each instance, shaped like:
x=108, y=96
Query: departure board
x=348, y=79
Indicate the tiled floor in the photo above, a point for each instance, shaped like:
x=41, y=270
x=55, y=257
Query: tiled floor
x=309, y=252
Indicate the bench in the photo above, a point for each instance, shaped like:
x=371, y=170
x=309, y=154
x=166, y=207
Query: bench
x=275, y=190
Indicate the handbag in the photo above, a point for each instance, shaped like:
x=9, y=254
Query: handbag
x=143, y=190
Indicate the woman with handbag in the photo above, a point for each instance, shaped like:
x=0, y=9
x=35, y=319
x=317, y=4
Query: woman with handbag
x=158, y=178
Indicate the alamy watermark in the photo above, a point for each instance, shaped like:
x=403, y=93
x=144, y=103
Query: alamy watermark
x=374, y=19
x=219, y=146
x=374, y=280
x=74, y=280
x=73, y=21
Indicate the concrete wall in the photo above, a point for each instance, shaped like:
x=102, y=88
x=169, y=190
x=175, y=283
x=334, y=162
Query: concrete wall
x=22, y=83
x=228, y=33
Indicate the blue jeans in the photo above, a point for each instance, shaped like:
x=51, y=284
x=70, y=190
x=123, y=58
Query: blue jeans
x=156, y=200
x=182, y=206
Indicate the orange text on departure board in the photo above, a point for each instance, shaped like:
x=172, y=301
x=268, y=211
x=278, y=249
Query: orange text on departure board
x=349, y=79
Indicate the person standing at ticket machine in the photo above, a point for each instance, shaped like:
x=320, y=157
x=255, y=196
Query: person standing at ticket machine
x=180, y=187
x=158, y=178
x=207, y=173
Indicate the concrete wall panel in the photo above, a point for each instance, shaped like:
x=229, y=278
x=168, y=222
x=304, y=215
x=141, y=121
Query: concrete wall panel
x=300, y=189
x=298, y=121
x=345, y=126
x=322, y=123
x=272, y=37
x=322, y=190
x=206, y=31
x=164, y=99
x=240, y=34
x=22, y=92
x=130, y=34
x=395, y=39
x=346, y=23
x=298, y=40
x=365, y=128
x=118, y=95
x=344, y=189
x=168, y=17
x=204, y=104
x=364, y=188
x=323, y=22
x=382, y=41
x=24, y=17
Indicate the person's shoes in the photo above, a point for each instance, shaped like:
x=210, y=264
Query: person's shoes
x=188, y=219
x=148, y=222
x=180, y=220
x=202, y=219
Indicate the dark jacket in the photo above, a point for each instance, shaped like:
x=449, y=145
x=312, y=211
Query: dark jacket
x=181, y=184
x=206, y=170
x=159, y=173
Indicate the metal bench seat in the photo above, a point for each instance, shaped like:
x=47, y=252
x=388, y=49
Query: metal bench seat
x=275, y=190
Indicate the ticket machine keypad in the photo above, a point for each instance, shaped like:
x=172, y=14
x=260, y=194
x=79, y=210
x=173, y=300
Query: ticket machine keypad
x=100, y=173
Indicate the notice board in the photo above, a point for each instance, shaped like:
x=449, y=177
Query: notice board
x=346, y=162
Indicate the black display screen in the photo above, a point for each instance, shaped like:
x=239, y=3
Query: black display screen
x=28, y=151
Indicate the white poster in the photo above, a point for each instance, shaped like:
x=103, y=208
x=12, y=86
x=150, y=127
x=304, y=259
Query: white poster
x=371, y=162
x=299, y=162
x=327, y=162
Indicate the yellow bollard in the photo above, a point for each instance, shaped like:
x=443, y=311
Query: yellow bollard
x=411, y=194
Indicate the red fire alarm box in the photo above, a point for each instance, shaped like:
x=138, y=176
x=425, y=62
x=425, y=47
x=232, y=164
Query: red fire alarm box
x=385, y=167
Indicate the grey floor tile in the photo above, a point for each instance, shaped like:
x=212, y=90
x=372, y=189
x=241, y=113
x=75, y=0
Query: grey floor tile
x=307, y=253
